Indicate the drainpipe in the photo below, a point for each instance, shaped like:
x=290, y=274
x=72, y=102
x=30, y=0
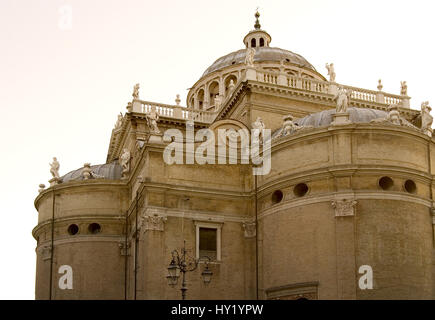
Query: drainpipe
x=256, y=239
x=430, y=190
x=125, y=255
x=135, y=247
x=52, y=244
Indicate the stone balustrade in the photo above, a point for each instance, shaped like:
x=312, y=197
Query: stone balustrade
x=173, y=111
x=275, y=78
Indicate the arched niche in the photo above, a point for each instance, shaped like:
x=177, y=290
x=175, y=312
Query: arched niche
x=200, y=98
x=227, y=82
x=213, y=90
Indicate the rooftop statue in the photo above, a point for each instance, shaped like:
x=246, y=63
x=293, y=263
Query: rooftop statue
x=258, y=127
x=380, y=86
x=288, y=125
x=343, y=98
x=118, y=121
x=152, y=118
x=41, y=187
x=125, y=163
x=426, y=118
x=86, y=172
x=54, y=168
x=136, y=91
x=394, y=117
x=331, y=72
x=249, y=60
x=403, y=88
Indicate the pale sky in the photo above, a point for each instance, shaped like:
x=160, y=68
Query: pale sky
x=61, y=89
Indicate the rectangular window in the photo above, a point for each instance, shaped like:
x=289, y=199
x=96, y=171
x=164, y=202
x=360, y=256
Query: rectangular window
x=207, y=243
x=208, y=240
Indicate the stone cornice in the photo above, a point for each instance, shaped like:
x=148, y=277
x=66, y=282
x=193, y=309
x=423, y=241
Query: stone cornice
x=333, y=196
x=200, y=215
x=82, y=186
x=83, y=238
x=177, y=189
x=328, y=172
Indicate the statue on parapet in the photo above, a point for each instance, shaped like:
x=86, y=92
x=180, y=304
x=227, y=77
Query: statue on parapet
x=380, y=85
x=87, y=172
x=54, y=168
x=426, y=118
x=394, y=117
x=118, y=121
x=403, y=88
x=152, y=118
x=136, y=91
x=258, y=127
x=331, y=71
x=342, y=97
x=249, y=59
x=288, y=126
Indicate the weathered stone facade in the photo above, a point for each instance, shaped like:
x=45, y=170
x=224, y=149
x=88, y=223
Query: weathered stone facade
x=339, y=195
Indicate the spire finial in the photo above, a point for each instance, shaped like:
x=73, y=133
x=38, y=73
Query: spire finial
x=257, y=25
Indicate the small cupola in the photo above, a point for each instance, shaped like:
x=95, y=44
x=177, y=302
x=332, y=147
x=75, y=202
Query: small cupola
x=257, y=38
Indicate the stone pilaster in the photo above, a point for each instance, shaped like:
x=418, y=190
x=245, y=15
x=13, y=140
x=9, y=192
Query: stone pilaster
x=345, y=244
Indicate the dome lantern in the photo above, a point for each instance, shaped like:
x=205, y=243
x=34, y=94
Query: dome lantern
x=257, y=37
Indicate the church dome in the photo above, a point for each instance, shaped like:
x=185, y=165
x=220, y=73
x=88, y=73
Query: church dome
x=261, y=54
x=110, y=171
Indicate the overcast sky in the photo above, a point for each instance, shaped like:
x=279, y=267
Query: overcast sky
x=62, y=86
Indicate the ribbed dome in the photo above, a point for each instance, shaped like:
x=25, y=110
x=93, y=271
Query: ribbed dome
x=110, y=171
x=261, y=54
x=324, y=118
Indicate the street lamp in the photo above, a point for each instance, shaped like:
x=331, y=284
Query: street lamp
x=184, y=263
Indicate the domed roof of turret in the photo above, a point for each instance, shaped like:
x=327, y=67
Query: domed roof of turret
x=261, y=54
x=259, y=40
x=110, y=171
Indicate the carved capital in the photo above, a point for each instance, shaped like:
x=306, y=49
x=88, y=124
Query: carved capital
x=249, y=229
x=153, y=223
x=344, y=207
x=124, y=248
x=45, y=253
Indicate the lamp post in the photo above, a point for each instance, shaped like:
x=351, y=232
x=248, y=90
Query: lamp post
x=184, y=263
